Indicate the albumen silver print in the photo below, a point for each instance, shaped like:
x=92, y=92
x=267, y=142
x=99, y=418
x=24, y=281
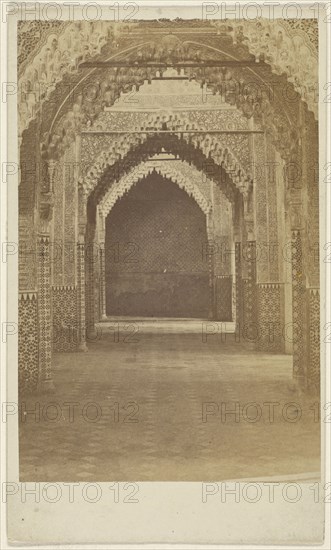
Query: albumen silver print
x=169, y=238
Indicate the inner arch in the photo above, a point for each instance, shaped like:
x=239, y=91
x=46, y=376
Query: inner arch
x=179, y=172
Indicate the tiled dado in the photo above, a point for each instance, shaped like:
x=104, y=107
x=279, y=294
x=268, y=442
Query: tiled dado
x=64, y=315
x=313, y=316
x=270, y=336
x=248, y=291
x=28, y=349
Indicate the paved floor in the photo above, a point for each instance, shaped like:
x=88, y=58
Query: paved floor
x=155, y=409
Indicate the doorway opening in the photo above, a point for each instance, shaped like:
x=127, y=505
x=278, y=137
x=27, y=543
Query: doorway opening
x=154, y=253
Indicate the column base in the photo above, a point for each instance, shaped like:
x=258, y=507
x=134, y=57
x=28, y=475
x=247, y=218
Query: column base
x=104, y=317
x=82, y=346
x=46, y=386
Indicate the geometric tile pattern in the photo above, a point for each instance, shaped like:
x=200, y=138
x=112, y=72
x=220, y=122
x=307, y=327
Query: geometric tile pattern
x=81, y=292
x=313, y=373
x=269, y=322
x=28, y=341
x=64, y=314
x=44, y=308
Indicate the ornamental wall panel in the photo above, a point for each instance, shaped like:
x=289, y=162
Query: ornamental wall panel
x=28, y=342
x=64, y=317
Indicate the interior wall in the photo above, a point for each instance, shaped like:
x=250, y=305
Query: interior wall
x=155, y=266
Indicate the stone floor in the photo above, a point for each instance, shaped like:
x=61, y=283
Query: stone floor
x=154, y=409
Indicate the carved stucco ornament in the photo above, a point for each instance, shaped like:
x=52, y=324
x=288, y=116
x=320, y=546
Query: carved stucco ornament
x=185, y=176
x=287, y=49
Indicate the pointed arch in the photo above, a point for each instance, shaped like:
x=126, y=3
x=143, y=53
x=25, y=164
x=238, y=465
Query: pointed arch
x=96, y=184
x=265, y=40
x=208, y=157
x=181, y=173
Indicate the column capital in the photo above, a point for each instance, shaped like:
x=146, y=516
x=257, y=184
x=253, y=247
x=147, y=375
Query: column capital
x=296, y=215
x=81, y=235
x=250, y=227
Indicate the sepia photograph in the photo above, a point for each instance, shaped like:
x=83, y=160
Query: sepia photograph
x=170, y=228
x=169, y=258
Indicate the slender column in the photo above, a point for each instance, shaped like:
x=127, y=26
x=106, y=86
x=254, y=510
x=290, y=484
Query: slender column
x=44, y=313
x=210, y=257
x=211, y=269
x=45, y=210
x=298, y=317
x=102, y=281
x=92, y=259
x=238, y=299
x=222, y=261
x=101, y=226
x=270, y=292
x=260, y=211
x=249, y=312
x=310, y=200
x=298, y=220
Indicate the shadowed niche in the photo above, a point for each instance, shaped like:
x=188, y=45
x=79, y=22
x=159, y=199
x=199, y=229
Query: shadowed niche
x=154, y=253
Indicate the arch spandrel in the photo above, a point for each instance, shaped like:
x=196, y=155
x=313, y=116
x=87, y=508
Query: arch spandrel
x=226, y=120
x=288, y=46
x=209, y=146
x=82, y=116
